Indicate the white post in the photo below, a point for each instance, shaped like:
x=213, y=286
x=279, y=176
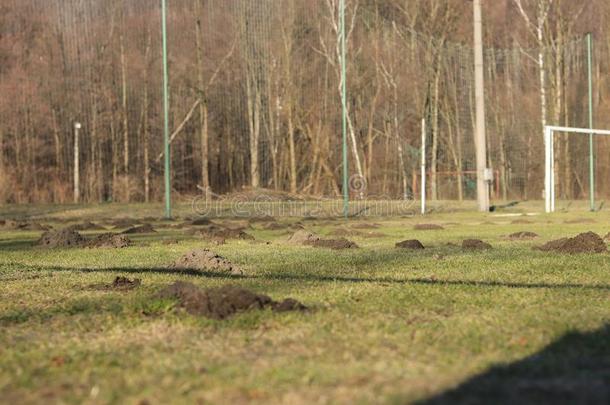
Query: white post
x=547, y=169
x=423, y=166
x=77, y=127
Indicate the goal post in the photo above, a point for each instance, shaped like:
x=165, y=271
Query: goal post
x=549, y=159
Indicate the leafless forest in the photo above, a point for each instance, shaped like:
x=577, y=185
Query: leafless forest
x=255, y=96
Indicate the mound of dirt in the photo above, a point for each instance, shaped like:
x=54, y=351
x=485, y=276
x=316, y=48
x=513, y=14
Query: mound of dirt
x=427, y=227
x=170, y=242
x=475, y=244
x=109, y=240
x=335, y=244
x=263, y=218
x=410, y=244
x=14, y=225
x=344, y=232
x=124, y=223
x=200, y=221
x=215, y=232
x=588, y=242
x=521, y=222
x=63, y=238
x=86, y=226
x=303, y=237
x=146, y=228
x=274, y=226
x=607, y=237
x=120, y=283
x=523, y=235
x=223, y=302
x=365, y=225
x=205, y=260
x=579, y=221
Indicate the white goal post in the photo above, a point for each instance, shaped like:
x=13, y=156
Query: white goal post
x=549, y=159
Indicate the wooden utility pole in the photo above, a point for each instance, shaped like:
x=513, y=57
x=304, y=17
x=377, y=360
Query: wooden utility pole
x=480, y=139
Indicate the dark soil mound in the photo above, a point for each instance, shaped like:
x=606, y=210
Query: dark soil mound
x=521, y=222
x=410, y=244
x=303, y=237
x=274, y=226
x=336, y=244
x=13, y=225
x=523, y=235
x=109, y=240
x=147, y=228
x=200, y=221
x=120, y=283
x=427, y=227
x=86, y=226
x=475, y=244
x=223, y=302
x=366, y=225
x=580, y=221
x=61, y=239
x=588, y=242
x=205, y=260
x=124, y=223
x=218, y=232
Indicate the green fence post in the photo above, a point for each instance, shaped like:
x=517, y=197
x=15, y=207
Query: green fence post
x=168, y=203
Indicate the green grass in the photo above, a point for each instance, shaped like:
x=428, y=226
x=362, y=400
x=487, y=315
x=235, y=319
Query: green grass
x=385, y=325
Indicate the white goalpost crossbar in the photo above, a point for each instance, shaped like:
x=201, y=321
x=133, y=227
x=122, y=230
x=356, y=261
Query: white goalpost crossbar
x=549, y=159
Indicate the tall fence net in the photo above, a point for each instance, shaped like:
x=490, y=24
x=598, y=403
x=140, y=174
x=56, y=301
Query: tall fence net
x=255, y=101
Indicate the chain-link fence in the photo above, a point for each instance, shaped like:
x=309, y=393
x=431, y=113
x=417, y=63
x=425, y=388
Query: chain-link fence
x=255, y=101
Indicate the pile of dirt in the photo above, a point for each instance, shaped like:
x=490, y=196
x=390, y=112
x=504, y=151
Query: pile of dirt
x=335, y=244
x=413, y=244
x=523, y=235
x=205, y=260
x=475, y=244
x=170, y=242
x=120, y=283
x=427, y=227
x=216, y=232
x=521, y=222
x=303, y=237
x=63, y=238
x=344, y=232
x=86, y=226
x=14, y=225
x=579, y=221
x=109, y=240
x=274, y=226
x=223, y=302
x=146, y=228
x=607, y=237
x=365, y=225
x=200, y=221
x=588, y=242
x=263, y=218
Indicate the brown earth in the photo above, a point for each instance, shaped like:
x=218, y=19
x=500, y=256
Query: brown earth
x=15, y=225
x=365, y=225
x=170, y=241
x=410, y=244
x=579, y=221
x=607, y=237
x=223, y=302
x=303, y=237
x=523, y=235
x=63, y=238
x=475, y=244
x=274, y=226
x=200, y=221
x=146, y=228
x=264, y=218
x=86, y=226
x=427, y=227
x=205, y=260
x=521, y=222
x=120, y=283
x=588, y=242
x=124, y=223
x=109, y=240
x=344, y=232
x=335, y=244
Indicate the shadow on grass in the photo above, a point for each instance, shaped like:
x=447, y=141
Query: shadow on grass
x=574, y=369
x=328, y=278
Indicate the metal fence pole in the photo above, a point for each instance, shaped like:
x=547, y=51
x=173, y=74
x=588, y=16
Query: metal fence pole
x=591, y=141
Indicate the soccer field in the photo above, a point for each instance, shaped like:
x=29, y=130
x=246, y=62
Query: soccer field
x=382, y=324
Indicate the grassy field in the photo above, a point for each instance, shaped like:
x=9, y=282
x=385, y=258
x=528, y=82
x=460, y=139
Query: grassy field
x=384, y=326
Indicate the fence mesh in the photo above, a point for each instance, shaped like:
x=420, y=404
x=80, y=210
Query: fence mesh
x=255, y=102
